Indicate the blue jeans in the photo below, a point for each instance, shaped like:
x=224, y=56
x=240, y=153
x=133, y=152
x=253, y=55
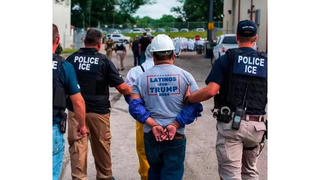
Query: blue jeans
x=142, y=57
x=57, y=151
x=166, y=159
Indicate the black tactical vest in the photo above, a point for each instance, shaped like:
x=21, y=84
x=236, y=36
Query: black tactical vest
x=246, y=74
x=89, y=68
x=119, y=47
x=59, y=95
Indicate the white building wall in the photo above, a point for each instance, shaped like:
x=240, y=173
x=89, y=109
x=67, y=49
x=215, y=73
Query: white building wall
x=62, y=18
x=232, y=18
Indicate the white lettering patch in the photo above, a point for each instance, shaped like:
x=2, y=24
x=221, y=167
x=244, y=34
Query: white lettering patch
x=54, y=64
x=250, y=65
x=85, y=62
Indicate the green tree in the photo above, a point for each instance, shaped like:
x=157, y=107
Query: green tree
x=192, y=10
x=91, y=13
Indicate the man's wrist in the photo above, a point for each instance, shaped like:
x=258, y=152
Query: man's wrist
x=155, y=125
x=173, y=124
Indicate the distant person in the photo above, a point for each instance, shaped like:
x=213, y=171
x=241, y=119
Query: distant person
x=64, y=84
x=143, y=44
x=177, y=46
x=108, y=47
x=96, y=74
x=121, y=51
x=135, y=51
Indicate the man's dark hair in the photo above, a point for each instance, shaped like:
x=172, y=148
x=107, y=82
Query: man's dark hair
x=243, y=39
x=163, y=55
x=144, y=34
x=93, y=37
x=55, y=33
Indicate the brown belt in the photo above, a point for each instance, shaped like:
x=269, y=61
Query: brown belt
x=176, y=136
x=257, y=118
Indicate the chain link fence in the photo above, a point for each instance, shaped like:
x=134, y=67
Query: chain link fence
x=79, y=33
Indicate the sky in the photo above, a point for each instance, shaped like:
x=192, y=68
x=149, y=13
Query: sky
x=158, y=9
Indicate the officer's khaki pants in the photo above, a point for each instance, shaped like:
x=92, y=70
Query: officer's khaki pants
x=235, y=163
x=98, y=126
x=120, y=58
x=143, y=162
x=109, y=53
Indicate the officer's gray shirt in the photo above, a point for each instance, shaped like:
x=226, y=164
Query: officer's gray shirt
x=162, y=88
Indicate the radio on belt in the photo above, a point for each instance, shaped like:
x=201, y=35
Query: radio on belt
x=237, y=118
x=240, y=112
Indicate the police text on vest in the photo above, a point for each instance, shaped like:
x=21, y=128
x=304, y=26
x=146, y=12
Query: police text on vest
x=251, y=63
x=85, y=62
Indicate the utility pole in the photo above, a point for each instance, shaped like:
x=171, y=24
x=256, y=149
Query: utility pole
x=89, y=4
x=209, y=32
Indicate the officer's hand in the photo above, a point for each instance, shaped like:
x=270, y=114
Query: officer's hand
x=187, y=91
x=158, y=132
x=171, y=131
x=82, y=131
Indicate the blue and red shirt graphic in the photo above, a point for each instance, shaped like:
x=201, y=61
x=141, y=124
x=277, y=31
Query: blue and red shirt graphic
x=163, y=85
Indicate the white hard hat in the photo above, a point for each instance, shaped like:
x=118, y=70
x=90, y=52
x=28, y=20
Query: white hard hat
x=162, y=42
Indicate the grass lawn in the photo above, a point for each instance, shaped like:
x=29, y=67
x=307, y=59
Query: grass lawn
x=68, y=51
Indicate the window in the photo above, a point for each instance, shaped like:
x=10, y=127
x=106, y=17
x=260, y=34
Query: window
x=229, y=40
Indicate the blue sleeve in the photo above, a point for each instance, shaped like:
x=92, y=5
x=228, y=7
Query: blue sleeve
x=138, y=111
x=189, y=114
x=217, y=72
x=71, y=82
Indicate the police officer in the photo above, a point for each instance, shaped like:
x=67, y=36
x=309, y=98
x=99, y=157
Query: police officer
x=240, y=76
x=64, y=84
x=109, y=47
x=95, y=74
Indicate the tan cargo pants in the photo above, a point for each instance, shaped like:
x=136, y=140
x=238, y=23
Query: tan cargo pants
x=98, y=126
x=109, y=53
x=235, y=162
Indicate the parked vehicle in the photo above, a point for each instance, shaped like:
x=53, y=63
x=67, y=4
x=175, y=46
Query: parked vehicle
x=200, y=30
x=225, y=42
x=138, y=30
x=112, y=30
x=174, y=30
x=160, y=30
x=126, y=31
x=184, y=30
x=148, y=30
x=118, y=37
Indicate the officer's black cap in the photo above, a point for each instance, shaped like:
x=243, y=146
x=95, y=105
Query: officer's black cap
x=246, y=28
